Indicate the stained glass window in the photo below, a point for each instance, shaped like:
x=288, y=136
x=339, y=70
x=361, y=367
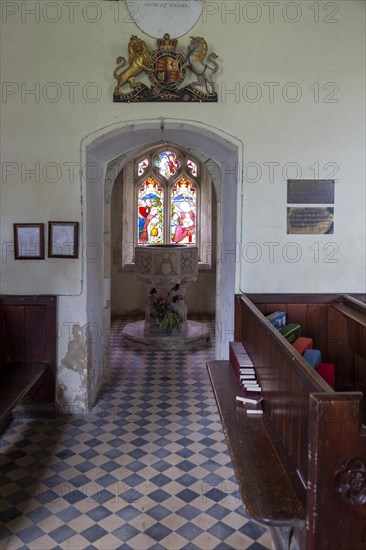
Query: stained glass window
x=141, y=167
x=168, y=193
x=168, y=208
x=183, y=221
x=193, y=167
x=167, y=164
x=150, y=213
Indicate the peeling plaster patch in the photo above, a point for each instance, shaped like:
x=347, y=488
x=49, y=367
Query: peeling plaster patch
x=72, y=388
x=95, y=375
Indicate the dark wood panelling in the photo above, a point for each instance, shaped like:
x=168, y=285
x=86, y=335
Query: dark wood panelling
x=29, y=335
x=13, y=336
x=271, y=308
x=337, y=447
x=356, y=337
x=295, y=298
x=338, y=350
x=317, y=316
x=298, y=313
x=360, y=381
x=35, y=333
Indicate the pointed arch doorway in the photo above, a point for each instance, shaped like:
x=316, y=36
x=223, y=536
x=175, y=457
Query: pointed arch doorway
x=104, y=154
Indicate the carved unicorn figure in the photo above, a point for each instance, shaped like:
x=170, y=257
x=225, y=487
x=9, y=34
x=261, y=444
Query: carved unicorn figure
x=197, y=51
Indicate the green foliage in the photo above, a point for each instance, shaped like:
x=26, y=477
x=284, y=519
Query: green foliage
x=167, y=319
x=170, y=321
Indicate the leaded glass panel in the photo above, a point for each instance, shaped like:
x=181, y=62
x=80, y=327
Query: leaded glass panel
x=141, y=167
x=150, y=213
x=183, y=221
x=193, y=167
x=167, y=164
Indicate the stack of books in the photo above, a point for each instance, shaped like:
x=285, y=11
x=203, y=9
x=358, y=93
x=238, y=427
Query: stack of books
x=250, y=394
x=239, y=358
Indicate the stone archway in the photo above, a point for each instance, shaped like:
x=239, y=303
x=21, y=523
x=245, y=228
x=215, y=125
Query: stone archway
x=104, y=153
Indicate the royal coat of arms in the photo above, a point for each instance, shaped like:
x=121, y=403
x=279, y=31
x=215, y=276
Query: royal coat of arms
x=166, y=69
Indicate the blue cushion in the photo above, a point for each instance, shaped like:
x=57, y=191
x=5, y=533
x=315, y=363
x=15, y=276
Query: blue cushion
x=313, y=357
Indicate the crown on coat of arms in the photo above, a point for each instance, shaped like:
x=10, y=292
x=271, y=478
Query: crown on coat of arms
x=166, y=43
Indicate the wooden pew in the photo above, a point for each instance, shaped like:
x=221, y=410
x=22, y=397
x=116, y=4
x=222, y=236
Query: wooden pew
x=19, y=382
x=27, y=355
x=301, y=468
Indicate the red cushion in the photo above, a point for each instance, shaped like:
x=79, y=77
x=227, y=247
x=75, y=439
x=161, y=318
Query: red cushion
x=327, y=372
x=302, y=344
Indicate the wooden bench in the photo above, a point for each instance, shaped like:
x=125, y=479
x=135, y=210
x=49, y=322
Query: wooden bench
x=301, y=467
x=27, y=355
x=19, y=382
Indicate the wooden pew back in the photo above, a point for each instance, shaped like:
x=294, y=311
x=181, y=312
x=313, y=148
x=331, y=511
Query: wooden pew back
x=321, y=429
x=285, y=377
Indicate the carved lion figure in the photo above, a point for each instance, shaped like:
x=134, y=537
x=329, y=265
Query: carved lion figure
x=139, y=57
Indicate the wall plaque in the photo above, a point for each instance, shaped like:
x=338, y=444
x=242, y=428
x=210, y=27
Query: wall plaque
x=310, y=221
x=154, y=16
x=310, y=191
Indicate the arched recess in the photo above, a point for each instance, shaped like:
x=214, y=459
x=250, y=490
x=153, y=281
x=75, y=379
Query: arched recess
x=201, y=296
x=104, y=153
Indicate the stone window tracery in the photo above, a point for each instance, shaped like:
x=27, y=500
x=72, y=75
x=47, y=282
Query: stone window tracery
x=166, y=198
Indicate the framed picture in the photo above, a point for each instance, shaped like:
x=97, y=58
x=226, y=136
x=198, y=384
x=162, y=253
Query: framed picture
x=28, y=241
x=63, y=239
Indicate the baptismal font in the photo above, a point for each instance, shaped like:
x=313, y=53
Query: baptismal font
x=166, y=271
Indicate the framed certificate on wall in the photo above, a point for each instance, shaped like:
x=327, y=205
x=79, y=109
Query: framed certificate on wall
x=63, y=239
x=28, y=241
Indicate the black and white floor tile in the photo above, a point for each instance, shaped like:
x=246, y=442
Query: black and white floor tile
x=148, y=468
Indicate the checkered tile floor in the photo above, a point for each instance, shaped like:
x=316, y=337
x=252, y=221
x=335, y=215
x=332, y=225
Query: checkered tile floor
x=148, y=468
